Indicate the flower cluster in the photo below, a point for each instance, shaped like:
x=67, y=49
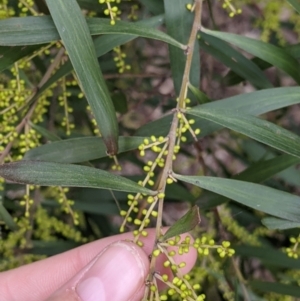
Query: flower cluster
x=112, y=10
x=233, y=11
x=293, y=251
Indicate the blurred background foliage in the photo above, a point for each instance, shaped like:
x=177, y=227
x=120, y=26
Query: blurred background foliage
x=41, y=103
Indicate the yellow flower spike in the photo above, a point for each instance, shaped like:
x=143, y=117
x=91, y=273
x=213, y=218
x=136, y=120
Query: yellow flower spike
x=156, y=252
x=182, y=264
x=122, y=229
x=186, y=249
x=136, y=233
x=163, y=297
x=191, y=121
x=206, y=251
x=150, y=163
x=187, y=239
x=183, y=287
x=144, y=212
x=161, y=195
x=142, y=153
x=161, y=164
x=175, y=280
x=146, y=141
x=200, y=251
x=137, y=222
x=293, y=240
x=161, y=138
x=211, y=242
x=167, y=263
x=150, y=199
x=144, y=233
x=196, y=286
x=151, y=182
x=189, y=6
x=197, y=131
x=231, y=252
x=146, y=168
x=129, y=219
x=226, y=244
x=177, y=238
x=153, y=288
x=169, y=181
x=123, y=212
x=135, y=210
x=153, y=138
x=172, y=253
x=140, y=244
x=154, y=213
x=171, y=242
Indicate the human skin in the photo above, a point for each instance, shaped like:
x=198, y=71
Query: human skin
x=101, y=266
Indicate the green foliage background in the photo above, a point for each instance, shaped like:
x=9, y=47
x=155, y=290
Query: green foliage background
x=73, y=90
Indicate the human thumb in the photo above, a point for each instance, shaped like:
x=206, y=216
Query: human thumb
x=118, y=273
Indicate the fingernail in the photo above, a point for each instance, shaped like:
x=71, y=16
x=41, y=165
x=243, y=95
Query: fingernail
x=116, y=274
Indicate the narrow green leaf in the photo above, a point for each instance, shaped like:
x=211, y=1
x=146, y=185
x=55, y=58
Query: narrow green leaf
x=58, y=174
x=45, y=133
x=232, y=78
x=78, y=150
x=295, y=4
x=256, y=128
x=154, y=6
x=276, y=287
x=90, y=5
x=179, y=24
x=6, y=217
x=185, y=224
x=10, y=55
x=254, y=103
x=51, y=248
x=256, y=173
x=120, y=102
x=234, y=60
x=263, y=170
x=103, y=44
x=102, y=26
x=279, y=224
x=258, y=197
x=200, y=96
x=40, y=30
x=77, y=40
x=276, y=56
x=268, y=256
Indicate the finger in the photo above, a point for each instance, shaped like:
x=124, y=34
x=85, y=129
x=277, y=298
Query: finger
x=118, y=273
x=39, y=280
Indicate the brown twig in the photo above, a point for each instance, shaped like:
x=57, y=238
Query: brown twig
x=168, y=167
